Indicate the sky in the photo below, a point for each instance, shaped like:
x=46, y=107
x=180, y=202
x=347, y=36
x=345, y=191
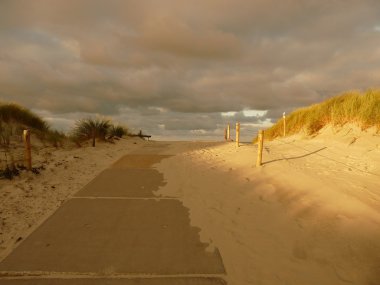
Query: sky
x=183, y=69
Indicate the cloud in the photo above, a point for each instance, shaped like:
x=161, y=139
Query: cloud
x=172, y=67
x=172, y=36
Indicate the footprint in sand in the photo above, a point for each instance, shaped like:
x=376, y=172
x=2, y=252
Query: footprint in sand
x=299, y=251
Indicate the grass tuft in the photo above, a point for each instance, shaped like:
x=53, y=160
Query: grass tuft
x=91, y=128
x=117, y=131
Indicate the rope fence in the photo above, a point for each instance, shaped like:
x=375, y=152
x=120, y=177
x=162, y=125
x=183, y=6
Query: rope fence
x=15, y=152
x=260, y=143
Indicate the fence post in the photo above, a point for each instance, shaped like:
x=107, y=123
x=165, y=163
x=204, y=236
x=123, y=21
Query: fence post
x=225, y=134
x=13, y=166
x=260, y=148
x=28, y=154
x=237, y=134
x=284, y=117
x=228, y=132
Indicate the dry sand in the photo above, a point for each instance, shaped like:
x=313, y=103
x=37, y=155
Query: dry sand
x=309, y=215
x=29, y=199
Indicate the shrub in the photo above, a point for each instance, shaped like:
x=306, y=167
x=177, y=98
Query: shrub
x=91, y=128
x=117, y=131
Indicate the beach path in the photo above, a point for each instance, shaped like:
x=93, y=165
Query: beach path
x=117, y=231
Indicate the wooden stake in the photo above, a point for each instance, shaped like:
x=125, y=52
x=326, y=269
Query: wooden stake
x=13, y=165
x=237, y=134
x=228, y=132
x=260, y=143
x=28, y=154
x=225, y=134
x=283, y=116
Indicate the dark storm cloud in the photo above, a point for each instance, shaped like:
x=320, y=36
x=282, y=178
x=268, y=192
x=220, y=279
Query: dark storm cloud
x=176, y=65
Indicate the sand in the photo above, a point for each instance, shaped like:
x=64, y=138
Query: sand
x=309, y=215
x=29, y=199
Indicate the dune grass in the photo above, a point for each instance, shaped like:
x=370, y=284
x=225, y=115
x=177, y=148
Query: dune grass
x=15, y=118
x=117, y=131
x=91, y=128
x=96, y=128
x=350, y=107
x=13, y=113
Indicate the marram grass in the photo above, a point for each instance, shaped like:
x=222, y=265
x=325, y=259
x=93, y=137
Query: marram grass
x=117, y=131
x=13, y=113
x=356, y=107
x=15, y=118
x=91, y=128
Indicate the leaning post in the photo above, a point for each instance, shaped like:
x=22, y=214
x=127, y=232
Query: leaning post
x=260, y=143
x=228, y=132
x=237, y=134
x=225, y=134
x=28, y=153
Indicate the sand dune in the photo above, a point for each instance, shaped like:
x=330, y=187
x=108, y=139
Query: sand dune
x=309, y=215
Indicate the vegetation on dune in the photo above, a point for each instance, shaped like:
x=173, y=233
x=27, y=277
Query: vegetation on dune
x=14, y=119
x=54, y=137
x=91, y=128
x=117, y=131
x=350, y=107
x=12, y=113
x=96, y=128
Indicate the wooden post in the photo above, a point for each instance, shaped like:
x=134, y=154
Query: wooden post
x=228, y=132
x=13, y=165
x=260, y=148
x=283, y=116
x=28, y=154
x=237, y=134
x=225, y=134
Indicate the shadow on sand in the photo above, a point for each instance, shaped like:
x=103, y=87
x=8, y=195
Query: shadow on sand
x=295, y=157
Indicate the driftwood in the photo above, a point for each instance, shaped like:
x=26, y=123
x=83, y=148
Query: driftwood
x=140, y=135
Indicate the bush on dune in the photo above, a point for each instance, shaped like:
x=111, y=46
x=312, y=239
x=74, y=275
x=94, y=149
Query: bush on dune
x=117, y=131
x=91, y=128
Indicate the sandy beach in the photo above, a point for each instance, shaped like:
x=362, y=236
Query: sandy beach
x=309, y=215
x=29, y=199
x=120, y=124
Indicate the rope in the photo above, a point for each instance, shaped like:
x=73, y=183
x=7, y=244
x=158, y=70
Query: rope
x=328, y=158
